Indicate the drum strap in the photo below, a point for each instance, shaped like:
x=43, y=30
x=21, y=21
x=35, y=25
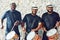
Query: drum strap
x=12, y=28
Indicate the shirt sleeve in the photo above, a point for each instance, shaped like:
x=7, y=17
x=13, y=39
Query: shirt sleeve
x=20, y=19
x=40, y=20
x=58, y=18
x=4, y=16
x=43, y=16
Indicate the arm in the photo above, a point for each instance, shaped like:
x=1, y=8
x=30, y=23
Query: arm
x=23, y=22
x=58, y=19
x=43, y=28
x=23, y=28
x=57, y=24
x=40, y=25
x=2, y=24
x=4, y=16
x=20, y=19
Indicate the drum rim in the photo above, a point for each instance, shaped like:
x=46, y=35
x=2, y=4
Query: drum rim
x=32, y=32
x=51, y=34
x=9, y=34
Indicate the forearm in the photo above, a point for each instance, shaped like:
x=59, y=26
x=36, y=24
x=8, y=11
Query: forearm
x=44, y=29
x=57, y=24
x=23, y=28
x=22, y=24
x=40, y=25
x=37, y=28
x=1, y=21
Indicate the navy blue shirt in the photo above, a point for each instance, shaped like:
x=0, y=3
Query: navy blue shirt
x=11, y=16
x=31, y=21
x=50, y=20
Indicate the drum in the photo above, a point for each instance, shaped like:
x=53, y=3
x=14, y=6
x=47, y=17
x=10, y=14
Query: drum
x=37, y=37
x=33, y=36
x=52, y=34
x=12, y=35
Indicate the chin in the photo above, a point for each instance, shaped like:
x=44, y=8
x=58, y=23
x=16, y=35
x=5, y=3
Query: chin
x=50, y=11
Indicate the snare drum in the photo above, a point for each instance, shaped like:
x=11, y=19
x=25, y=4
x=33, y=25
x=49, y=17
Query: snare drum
x=12, y=35
x=52, y=34
x=33, y=36
x=37, y=37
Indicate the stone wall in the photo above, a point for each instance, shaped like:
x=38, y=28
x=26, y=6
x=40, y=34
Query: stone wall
x=24, y=6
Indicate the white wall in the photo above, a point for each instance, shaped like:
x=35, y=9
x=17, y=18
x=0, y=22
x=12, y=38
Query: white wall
x=24, y=6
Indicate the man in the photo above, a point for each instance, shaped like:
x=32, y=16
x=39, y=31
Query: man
x=13, y=19
x=50, y=19
x=33, y=22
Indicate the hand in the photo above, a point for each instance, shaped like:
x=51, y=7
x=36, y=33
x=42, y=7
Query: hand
x=24, y=29
x=16, y=23
x=44, y=29
x=57, y=24
x=2, y=27
x=22, y=24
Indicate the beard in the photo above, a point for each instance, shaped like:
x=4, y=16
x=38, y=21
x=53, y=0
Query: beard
x=50, y=11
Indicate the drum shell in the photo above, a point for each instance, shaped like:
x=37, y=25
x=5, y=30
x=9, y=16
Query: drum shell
x=37, y=37
x=53, y=37
x=52, y=34
x=33, y=36
x=13, y=36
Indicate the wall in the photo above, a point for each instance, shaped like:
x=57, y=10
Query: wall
x=24, y=6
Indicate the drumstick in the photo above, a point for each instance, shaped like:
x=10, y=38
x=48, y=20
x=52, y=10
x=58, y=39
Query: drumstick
x=12, y=28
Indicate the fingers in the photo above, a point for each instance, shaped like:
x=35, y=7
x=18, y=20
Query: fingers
x=2, y=27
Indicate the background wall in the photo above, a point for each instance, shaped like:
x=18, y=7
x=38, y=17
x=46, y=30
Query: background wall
x=24, y=6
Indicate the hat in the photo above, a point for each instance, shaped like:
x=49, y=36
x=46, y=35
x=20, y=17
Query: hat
x=34, y=7
x=49, y=5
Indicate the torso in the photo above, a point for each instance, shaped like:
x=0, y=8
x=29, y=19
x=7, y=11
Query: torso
x=32, y=21
x=50, y=20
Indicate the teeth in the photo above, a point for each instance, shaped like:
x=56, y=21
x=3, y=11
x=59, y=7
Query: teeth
x=49, y=10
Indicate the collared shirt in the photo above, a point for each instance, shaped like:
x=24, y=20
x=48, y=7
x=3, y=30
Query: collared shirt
x=31, y=21
x=11, y=16
x=50, y=20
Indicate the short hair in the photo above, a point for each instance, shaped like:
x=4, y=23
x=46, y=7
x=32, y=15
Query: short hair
x=14, y=4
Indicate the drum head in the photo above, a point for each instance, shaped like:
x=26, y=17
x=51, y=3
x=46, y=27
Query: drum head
x=51, y=32
x=10, y=35
x=31, y=35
